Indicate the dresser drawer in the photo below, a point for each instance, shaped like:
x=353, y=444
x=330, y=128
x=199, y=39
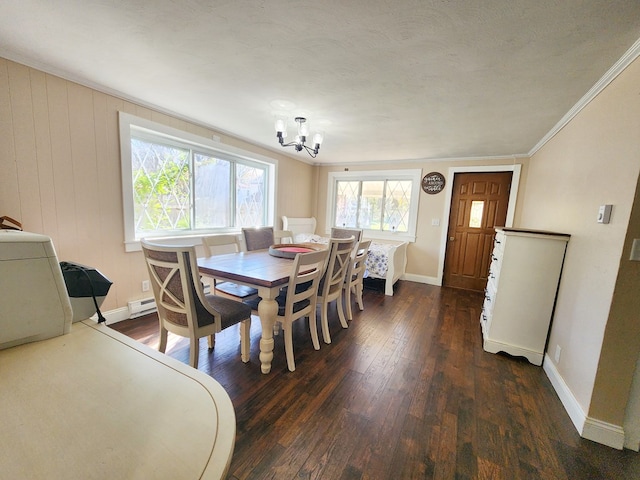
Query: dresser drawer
x=494, y=268
x=485, y=321
x=496, y=257
x=489, y=299
x=491, y=289
x=498, y=242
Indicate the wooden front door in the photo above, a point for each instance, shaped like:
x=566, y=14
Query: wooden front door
x=478, y=204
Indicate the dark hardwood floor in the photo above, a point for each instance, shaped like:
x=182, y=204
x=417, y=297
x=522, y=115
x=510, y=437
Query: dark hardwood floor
x=406, y=392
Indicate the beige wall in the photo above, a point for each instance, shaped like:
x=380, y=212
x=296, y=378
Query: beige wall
x=621, y=344
x=59, y=147
x=424, y=255
x=594, y=160
x=60, y=171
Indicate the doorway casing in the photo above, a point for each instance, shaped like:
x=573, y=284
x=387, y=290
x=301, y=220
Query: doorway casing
x=511, y=208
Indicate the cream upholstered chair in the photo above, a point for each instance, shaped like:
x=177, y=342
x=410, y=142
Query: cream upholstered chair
x=183, y=307
x=219, y=245
x=346, y=233
x=283, y=236
x=332, y=282
x=299, y=298
x=258, y=238
x=355, y=275
x=299, y=225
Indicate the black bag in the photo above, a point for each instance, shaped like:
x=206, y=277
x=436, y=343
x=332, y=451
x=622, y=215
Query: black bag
x=83, y=281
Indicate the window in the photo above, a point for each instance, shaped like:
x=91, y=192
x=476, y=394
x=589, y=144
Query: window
x=475, y=217
x=177, y=184
x=384, y=204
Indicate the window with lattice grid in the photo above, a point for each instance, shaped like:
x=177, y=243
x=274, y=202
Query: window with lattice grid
x=378, y=201
x=177, y=184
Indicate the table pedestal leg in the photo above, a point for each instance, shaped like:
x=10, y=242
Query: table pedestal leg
x=268, y=310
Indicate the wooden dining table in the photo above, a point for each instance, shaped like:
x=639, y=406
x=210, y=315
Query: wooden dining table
x=261, y=270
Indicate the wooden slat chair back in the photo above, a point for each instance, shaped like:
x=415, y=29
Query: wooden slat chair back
x=220, y=245
x=183, y=307
x=298, y=299
x=301, y=298
x=354, y=278
x=332, y=282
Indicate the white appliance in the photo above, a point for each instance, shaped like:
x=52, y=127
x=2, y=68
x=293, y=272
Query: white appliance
x=34, y=304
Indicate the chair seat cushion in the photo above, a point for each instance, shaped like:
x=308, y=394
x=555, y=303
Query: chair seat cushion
x=282, y=301
x=302, y=287
x=233, y=289
x=231, y=311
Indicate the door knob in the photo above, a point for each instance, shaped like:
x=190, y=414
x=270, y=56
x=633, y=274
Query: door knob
x=451, y=239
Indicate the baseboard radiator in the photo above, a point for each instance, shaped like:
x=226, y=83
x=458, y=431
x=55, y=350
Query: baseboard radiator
x=144, y=306
x=137, y=308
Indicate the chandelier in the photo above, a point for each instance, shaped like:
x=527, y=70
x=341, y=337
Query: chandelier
x=301, y=137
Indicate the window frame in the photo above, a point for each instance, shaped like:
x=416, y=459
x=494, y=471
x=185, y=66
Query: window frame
x=132, y=126
x=414, y=175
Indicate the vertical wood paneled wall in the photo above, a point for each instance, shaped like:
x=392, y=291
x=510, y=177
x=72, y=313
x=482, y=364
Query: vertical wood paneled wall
x=60, y=171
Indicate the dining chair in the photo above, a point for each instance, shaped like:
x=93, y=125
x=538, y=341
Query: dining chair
x=337, y=232
x=258, y=238
x=283, y=236
x=183, y=307
x=299, y=298
x=355, y=276
x=219, y=245
x=331, y=284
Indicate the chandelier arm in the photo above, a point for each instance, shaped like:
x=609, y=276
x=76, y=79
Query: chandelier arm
x=312, y=153
x=299, y=143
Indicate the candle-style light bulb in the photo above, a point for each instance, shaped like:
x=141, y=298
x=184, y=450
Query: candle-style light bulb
x=304, y=129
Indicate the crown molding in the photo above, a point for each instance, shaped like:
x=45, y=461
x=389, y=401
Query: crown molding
x=390, y=163
x=606, y=79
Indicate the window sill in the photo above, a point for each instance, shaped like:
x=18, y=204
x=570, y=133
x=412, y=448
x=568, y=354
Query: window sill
x=194, y=239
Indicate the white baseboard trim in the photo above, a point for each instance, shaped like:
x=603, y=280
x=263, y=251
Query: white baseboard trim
x=113, y=316
x=571, y=405
x=589, y=428
x=632, y=443
x=604, y=433
x=412, y=277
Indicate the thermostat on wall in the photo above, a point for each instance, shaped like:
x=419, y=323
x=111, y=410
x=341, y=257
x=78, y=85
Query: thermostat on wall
x=604, y=213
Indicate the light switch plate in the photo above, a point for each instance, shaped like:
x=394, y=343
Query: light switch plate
x=604, y=213
x=556, y=357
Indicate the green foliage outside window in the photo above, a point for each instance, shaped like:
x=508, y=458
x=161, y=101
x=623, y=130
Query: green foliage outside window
x=162, y=197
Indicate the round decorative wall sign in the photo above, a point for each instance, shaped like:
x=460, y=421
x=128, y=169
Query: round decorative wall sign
x=433, y=183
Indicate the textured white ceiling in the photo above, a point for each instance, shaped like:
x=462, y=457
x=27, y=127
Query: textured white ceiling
x=385, y=80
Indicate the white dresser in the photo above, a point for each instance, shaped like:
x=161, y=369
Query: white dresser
x=521, y=291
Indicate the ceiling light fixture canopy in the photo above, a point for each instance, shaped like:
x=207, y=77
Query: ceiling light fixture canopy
x=301, y=137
